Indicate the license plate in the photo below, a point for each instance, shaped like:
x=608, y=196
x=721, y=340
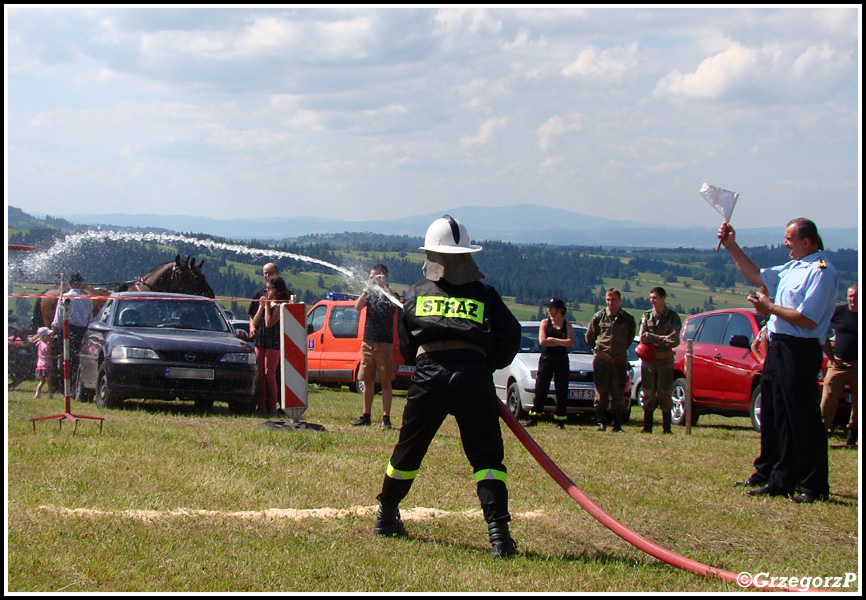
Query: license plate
x=581, y=394
x=405, y=368
x=181, y=373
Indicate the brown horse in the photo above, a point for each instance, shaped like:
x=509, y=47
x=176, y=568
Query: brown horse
x=178, y=276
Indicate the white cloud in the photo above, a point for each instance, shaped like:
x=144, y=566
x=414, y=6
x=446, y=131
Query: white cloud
x=551, y=164
x=611, y=64
x=714, y=77
x=266, y=34
x=474, y=20
x=840, y=20
x=557, y=126
x=307, y=119
x=485, y=134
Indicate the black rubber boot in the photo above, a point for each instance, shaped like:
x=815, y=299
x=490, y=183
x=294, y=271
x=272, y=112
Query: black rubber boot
x=600, y=420
x=647, y=422
x=666, y=422
x=501, y=544
x=617, y=420
x=388, y=522
x=852, y=438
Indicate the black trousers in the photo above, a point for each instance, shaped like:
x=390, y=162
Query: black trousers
x=559, y=370
x=455, y=382
x=794, y=443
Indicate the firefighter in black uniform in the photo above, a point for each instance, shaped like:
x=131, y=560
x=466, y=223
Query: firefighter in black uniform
x=457, y=331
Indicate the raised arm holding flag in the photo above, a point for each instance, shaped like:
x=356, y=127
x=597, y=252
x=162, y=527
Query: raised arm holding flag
x=722, y=200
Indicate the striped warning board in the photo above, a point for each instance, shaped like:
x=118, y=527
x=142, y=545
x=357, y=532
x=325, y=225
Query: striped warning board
x=293, y=365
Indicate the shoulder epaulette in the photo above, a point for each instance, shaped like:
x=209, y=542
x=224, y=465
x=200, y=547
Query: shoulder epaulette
x=822, y=264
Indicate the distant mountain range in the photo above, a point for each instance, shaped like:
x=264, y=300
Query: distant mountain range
x=517, y=224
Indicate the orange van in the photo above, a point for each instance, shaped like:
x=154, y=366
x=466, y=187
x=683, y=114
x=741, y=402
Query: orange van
x=334, y=334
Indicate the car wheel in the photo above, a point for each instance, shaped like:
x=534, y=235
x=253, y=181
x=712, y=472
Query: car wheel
x=81, y=393
x=205, y=404
x=513, y=402
x=242, y=407
x=105, y=396
x=639, y=395
x=678, y=412
x=755, y=409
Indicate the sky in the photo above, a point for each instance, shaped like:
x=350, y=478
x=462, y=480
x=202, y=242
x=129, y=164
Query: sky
x=362, y=112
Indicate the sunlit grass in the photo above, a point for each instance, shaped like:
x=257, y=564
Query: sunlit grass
x=211, y=479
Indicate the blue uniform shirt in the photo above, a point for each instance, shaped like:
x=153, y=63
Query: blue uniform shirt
x=80, y=310
x=809, y=287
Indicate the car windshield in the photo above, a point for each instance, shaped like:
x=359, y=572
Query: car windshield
x=529, y=340
x=175, y=313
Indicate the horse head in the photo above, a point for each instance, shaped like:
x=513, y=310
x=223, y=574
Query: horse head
x=200, y=280
x=180, y=277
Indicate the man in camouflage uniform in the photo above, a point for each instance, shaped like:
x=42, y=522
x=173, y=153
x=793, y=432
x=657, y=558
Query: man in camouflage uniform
x=659, y=327
x=611, y=332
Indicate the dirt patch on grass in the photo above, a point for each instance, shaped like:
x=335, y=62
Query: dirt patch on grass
x=293, y=514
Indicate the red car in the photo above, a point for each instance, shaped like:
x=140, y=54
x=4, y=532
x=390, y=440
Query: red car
x=725, y=374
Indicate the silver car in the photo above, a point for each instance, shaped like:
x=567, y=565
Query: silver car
x=515, y=384
x=636, y=389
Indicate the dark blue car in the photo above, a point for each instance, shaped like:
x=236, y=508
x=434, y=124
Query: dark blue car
x=165, y=346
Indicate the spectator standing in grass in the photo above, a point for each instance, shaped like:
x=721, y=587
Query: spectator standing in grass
x=843, y=355
x=610, y=332
x=267, y=323
x=268, y=270
x=800, y=299
x=45, y=358
x=555, y=336
x=80, y=314
x=377, y=347
x=660, y=328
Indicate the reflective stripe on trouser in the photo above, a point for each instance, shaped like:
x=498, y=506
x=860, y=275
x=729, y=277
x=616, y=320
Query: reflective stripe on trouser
x=397, y=474
x=491, y=474
x=532, y=413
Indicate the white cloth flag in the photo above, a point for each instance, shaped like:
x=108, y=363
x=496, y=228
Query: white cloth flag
x=722, y=200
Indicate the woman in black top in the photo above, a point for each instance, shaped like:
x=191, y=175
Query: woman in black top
x=267, y=324
x=555, y=336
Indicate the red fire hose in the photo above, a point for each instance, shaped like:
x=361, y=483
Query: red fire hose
x=603, y=517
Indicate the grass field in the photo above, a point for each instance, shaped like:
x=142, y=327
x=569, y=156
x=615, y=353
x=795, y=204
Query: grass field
x=170, y=499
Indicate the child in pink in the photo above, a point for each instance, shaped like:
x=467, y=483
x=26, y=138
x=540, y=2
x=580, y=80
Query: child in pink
x=44, y=362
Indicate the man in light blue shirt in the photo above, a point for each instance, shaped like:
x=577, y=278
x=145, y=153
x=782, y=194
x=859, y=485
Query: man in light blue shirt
x=799, y=297
x=80, y=314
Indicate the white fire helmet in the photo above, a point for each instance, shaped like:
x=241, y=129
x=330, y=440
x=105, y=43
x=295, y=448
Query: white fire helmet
x=447, y=235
